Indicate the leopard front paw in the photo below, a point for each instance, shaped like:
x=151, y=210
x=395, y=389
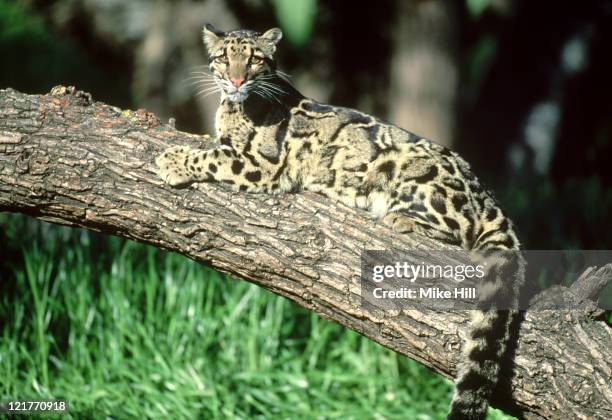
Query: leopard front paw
x=171, y=166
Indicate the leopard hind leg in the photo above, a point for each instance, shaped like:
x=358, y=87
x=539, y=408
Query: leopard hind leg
x=403, y=221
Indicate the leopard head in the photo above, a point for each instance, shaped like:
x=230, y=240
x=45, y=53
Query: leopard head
x=242, y=61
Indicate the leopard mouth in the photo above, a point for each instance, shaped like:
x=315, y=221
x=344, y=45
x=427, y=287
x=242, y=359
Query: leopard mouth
x=231, y=92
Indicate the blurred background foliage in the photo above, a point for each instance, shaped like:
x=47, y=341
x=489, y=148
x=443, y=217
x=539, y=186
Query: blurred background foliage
x=520, y=88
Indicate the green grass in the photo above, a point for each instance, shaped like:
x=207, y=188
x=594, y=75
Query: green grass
x=124, y=330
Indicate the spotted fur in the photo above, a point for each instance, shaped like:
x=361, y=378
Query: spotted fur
x=270, y=138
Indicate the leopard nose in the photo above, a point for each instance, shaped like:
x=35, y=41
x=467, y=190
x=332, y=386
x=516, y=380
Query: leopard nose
x=237, y=82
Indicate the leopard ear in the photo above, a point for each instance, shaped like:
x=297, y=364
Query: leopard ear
x=269, y=39
x=213, y=38
x=272, y=36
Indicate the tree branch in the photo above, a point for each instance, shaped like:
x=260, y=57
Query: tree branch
x=68, y=160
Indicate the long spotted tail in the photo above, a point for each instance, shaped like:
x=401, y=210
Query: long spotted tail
x=478, y=370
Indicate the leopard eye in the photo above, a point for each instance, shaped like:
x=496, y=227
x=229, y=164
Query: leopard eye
x=222, y=59
x=256, y=60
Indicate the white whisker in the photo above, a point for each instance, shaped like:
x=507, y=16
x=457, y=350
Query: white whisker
x=203, y=93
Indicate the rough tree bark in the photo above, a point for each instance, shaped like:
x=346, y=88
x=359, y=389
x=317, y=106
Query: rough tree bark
x=68, y=160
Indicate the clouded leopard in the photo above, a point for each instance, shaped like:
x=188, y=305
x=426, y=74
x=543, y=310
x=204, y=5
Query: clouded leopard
x=270, y=138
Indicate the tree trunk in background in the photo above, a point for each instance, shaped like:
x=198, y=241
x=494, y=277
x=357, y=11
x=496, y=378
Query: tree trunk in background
x=424, y=69
x=66, y=159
